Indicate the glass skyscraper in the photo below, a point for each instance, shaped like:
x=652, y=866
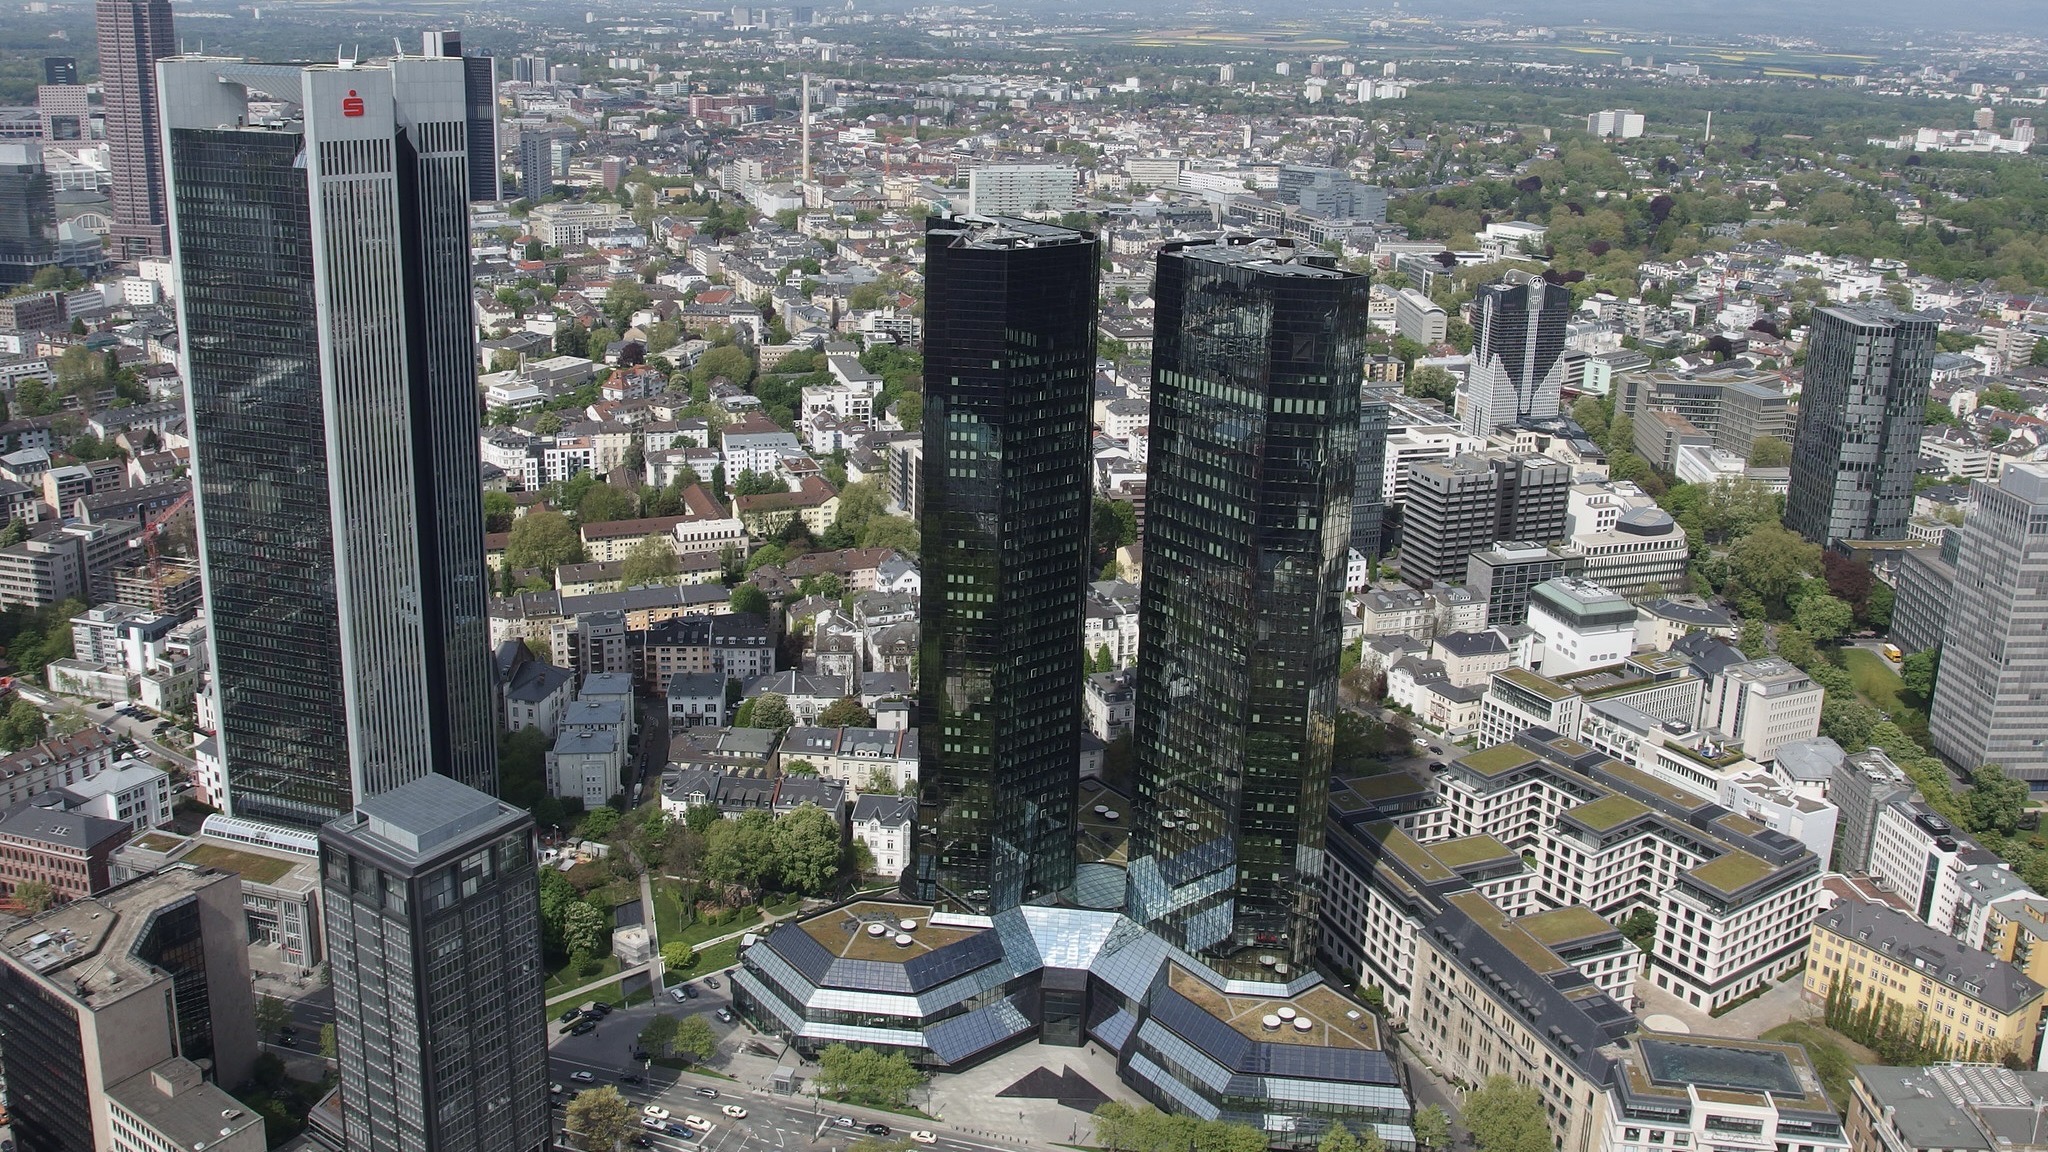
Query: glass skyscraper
x=1009, y=386
x=1861, y=411
x=133, y=35
x=323, y=263
x=1255, y=424
x=1517, y=353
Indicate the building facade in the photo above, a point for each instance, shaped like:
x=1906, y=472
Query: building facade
x=133, y=35
x=1517, y=354
x=329, y=371
x=1994, y=648
x=1463, y=505
x=1254, y=426
x=1864, y=404
x=1010, y=354
x=432, y=909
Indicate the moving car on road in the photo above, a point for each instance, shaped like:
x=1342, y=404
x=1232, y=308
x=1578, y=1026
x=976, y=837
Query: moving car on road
x=923, y=1137
x=734, y=1111
x=582, y=1077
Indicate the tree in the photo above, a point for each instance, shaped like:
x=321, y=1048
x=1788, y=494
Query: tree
x=583, y=928
x=726, y=360
x=658, y=1034
x=599, y=824
x=23, y=725
x=603, y=503
x=771, y=710
x=1432, y=1127
x=499, y=510
x=327, y=1048
x=740, y=852
x=866, y=1075
x=1507, y=1117
x=1770, y=560
x=1430, y=382
x=677, y=954
x=652, y=561
x=807, y=850
x=1824, y=617
x=845, y=712
x=34, y=896
x=1919, y=671
x=694, y=1040
x=272, y=1015
x=15, y=532
x=600, y=1116
x=1996, y=802
x=1770, y=452
x=749, y=600
x=543, y=539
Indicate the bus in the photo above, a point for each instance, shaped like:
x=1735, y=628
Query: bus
x=1892, y=653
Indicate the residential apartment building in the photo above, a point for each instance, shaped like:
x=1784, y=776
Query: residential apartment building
x=728, y=644
x=53, y=763
x=864, y=759
x=1863, y=788
x=1971, y=1004
x=1918, y=854
x=1020, y=189
x=50, y=843
x=886, y=824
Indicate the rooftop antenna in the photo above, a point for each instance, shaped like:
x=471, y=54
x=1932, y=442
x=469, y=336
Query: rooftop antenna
x=397, y=48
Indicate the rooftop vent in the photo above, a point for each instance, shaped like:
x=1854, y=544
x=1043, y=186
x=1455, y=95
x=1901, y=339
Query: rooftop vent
x=1270, y=1023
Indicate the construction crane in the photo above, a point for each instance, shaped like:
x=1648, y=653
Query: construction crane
x=155, y=528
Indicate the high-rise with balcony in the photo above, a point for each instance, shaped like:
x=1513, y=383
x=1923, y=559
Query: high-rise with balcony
x=1255, y=429
x=432, y=907
x=1517, y=354
x=1988, y=706
x=322, y=256
x=1861, y=411
x=1010, y=367
x=133, y=36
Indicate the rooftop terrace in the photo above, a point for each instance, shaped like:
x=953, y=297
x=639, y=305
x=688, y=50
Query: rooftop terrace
x=873, y=930
x=1332, y=1020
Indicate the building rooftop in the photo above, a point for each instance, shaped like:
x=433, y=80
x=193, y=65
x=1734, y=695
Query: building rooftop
x=175, y=1099
x=1499, y=759
x=1467, y=851
x=1907, y=941
x=850, y=933
x=1564, y=926
x=1608, y=812
x=1960, y=1107
x=263, y=869
x=85, y=948
x=1753, y=1072
x=1733, y=872
x=420, y=817
x=1317, y=1017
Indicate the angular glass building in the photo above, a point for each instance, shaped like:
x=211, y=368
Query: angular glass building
x=1255, y=425
x=1517, y=353
x=1861, y=412
x=1009, y=385
x=322, y=255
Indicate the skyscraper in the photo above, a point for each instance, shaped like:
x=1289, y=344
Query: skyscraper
x=1010, y=371
x=1987, y=706
x=60, y=70
x=432, y=906
x=1255, y=426
x=1861, y=412
x=480, y=90
x=536, y=163
x=28, y=213
x=1517, y=354
x=323, y=308
x=133, y=36
x=1368, y=496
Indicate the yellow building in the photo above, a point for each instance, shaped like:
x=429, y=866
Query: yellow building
x=1973, y=1004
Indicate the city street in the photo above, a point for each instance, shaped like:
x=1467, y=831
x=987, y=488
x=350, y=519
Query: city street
x=138, y=730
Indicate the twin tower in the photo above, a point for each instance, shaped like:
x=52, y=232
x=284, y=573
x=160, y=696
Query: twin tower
x=1255, y=425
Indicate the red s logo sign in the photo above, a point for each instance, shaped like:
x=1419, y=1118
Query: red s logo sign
x=352, y=105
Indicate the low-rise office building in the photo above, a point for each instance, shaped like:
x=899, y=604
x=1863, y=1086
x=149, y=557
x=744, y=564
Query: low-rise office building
x=1947, y=1108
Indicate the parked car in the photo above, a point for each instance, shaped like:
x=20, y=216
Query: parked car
x=572, y=1015
x=601, y=1008
x=711, y=981
x=650, y=1123
x=656, y=1111
x=725, y=1015
x=677, y=994
x=554, y=1089
x=680, y=1132
x=583, y=1026
x=697, y=1123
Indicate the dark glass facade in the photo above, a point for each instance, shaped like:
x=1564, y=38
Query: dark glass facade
x=331, y=383
x=1009, y=382
x=1861, y=412
x=175, y=943
x=480, y=87
x=28, y=215
x=1255, y=427
x=1368, y=495
x=40, y=1048
x=1517, y=353
x=245, y=246
x=433, y=934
